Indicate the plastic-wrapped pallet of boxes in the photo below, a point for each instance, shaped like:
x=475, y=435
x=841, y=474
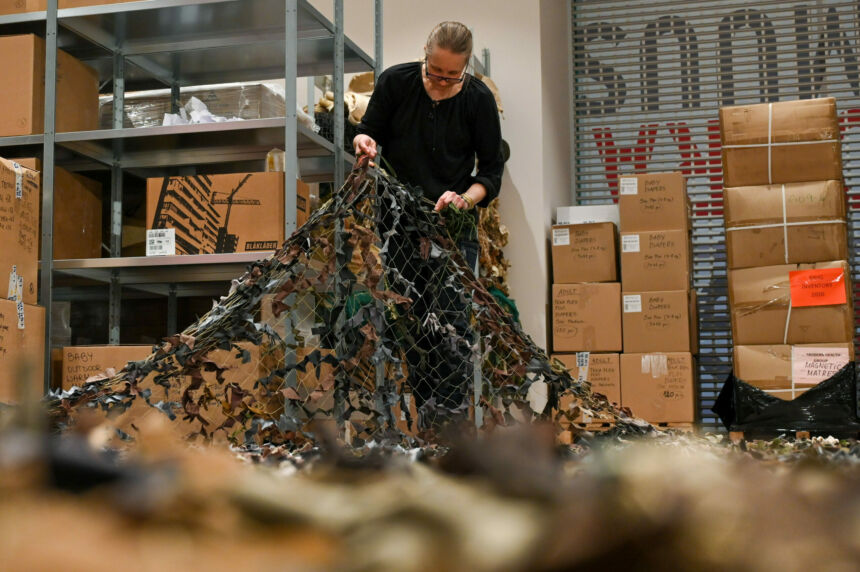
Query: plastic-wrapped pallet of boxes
x=586, y=298
x=790, y=292
x=658, y=370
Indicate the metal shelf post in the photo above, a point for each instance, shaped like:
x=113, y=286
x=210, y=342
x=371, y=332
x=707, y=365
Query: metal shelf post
x=377, y=39
x=339, y=167
x=47, y=267
x=291, y=160
x=116, y=192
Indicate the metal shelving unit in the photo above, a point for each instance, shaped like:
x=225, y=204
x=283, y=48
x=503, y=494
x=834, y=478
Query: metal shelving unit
x=176, y=43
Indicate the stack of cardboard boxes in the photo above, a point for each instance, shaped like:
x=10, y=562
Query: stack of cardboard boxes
x=658, y=304
x=22, y=322
x=790, y=291
x=586, y=298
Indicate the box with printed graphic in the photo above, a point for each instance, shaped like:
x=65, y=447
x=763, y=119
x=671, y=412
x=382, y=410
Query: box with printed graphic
x=586, y=317
x=22, y=350
x=236, y=212
x=653, y=201
x=786, y=371
x=783, y=142
x=656, y=260
x=792, y=304
x=659, y=387
x=660, y=321
x=784, y=224
x=20, y=205
x=584, y=253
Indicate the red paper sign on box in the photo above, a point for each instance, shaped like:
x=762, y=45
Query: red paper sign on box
x=823, y=287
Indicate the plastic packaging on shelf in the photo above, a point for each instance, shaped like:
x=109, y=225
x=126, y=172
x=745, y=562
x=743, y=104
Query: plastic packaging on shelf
x=230, y=101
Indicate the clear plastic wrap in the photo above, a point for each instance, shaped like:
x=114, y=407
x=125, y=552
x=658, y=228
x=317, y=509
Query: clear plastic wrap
x=230, y=101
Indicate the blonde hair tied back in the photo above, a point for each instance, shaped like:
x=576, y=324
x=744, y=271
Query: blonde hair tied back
x=452, y=36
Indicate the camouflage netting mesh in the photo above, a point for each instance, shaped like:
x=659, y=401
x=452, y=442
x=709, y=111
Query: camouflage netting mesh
x=367, y=324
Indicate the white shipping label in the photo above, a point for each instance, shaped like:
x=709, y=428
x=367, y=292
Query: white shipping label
x=629, y=186
x=13, y=283
x=19, y=180
x=630, y=243
x=19, y=302
x=561, y=237
x=582, y=361
x=20, y=307
x=632, y=304
x=811, y=366
x=19, y=289
x=161, y=242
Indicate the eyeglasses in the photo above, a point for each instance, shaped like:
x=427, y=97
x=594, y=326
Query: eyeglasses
x=443, y=78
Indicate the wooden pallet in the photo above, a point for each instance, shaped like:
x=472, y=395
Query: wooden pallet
x=684, y=427
x=739, y=436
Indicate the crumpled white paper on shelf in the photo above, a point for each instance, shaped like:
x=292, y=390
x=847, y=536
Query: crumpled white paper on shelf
x=198, y=113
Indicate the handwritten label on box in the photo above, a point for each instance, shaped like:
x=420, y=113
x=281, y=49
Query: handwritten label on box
x=822, y=287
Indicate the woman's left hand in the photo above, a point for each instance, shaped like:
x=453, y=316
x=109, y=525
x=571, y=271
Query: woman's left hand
x=450, y=197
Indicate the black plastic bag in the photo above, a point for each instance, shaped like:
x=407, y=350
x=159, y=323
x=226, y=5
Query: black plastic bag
x=828, y=408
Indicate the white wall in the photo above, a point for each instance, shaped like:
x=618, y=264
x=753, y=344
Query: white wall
x=534, y=94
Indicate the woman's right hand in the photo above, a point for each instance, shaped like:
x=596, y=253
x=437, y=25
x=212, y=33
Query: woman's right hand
x=364, y=145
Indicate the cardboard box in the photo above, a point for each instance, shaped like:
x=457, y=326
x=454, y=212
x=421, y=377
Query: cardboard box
x=584, y=253
x=787, y=371
x=656, y=260
x=211, y=397
x=653, y=201
x=603, y=371
x=80, y=363
x=198, y=208
x=77, y=213
x=588, y=214
x=20, y=202
x=659, y=387
x=813, y=222
x=586, y=317
x=22, y=351
x=21, y=6
x=784, y=142
x=760, y=299
x=23, y=93
x=660, y=321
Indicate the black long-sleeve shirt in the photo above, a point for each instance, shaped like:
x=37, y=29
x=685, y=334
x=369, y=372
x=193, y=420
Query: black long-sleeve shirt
x=434, y=144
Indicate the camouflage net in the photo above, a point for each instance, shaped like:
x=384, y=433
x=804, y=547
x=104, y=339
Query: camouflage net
x=366, y=325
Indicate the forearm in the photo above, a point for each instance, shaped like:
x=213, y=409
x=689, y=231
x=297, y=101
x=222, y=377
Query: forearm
x=477, y=192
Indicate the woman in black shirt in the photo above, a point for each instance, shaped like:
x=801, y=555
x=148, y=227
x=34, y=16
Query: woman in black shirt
x=433, y=121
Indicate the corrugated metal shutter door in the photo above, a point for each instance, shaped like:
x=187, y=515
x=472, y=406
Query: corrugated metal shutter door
x=649, y=78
